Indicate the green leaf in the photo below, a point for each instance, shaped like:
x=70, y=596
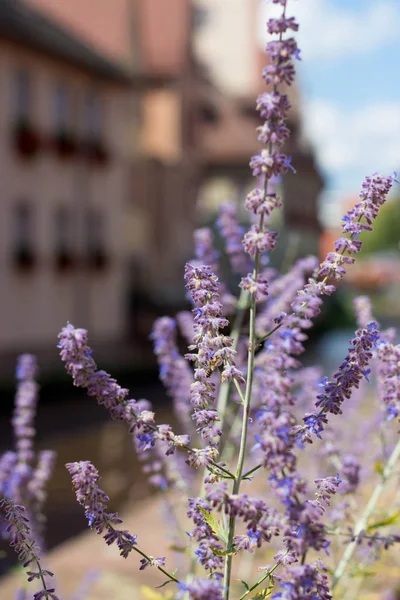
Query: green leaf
x=215, y=525
x=388, y=521
x=360, y=571
x=262, y=594
x=379, y=467
x=176, y=548
x=219, y=552
x=163, y=584
x=245, y=584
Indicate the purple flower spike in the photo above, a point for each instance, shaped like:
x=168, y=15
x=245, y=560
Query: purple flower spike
x=25, y=546
x=213, y=349
x=94, y=500
x=202, y=589
x=25, y=407
x=232, y=234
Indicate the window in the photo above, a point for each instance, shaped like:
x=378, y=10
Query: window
x=95, y=235
x=23, y=235
x=63, y=238
x=93, y=116
x=21, y=96
x=61, y=108
x=62, y=228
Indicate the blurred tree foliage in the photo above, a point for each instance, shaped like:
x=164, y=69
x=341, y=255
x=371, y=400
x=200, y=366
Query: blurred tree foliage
x=386, y=230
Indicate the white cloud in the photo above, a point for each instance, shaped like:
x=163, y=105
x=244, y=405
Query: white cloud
x=360, y=142
x=328, y=31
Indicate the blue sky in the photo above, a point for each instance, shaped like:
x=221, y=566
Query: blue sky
x=350, y=87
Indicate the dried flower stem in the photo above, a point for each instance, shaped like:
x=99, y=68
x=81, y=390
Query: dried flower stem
x=363, y=520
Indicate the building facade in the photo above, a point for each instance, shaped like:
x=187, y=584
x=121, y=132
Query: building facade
x=64, y=172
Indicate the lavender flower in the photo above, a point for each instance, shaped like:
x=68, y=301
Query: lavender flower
x=213, y=348
x=37, y=488
x=77, y=355
x=204, y=248
x=362, y=305
x=232, y=234
x=304, y=582
x=282, y=292
x=26, y=548
x=259, y=241
x=260, y=203
x=25, y=407
x=151, y=561
x=84, y=479
x=205, y=254
x=175, y=372
x=349, y=375
x=389, y=378
x=350, y=473
x=204, y=535
x=327, y=487
x=373, y=195
x=185, y=322
x=257, y=287
x=7, y=465
x=202, y=589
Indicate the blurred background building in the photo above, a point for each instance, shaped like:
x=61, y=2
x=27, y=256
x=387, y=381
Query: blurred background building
x=65, y=169
x=125, y=125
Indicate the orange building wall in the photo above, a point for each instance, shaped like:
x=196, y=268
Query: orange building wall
x=163, y=48
x=104, y=24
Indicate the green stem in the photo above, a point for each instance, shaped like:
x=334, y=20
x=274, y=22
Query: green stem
x=163, y=571
x=363, y=520
x=253, y=470
x=267, y=335
x=144, y=555
x=239, y=390
x=246, y=414
x=260, y=581
x=38, y=565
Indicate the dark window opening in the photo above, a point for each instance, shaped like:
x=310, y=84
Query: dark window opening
x=63, y=239
x=23, y=243
x=95, y=234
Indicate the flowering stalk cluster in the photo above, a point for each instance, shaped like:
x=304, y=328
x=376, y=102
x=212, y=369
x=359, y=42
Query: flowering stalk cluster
x=26, y=548
x=213, y=349
x=340, y=387
x=24, y=474
x=232, y=233
x=25, y=407
x=77, y=355
x=242, y=393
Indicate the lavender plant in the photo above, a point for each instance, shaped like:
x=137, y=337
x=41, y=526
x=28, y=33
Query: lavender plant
x=263, y=467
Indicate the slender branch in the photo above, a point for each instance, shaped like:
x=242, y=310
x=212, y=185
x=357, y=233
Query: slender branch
x=253, y=470
x=226, y=471
x=39, y=567
x=189, y=449
x=239, y=390
x=262, y=339
x=363, y=520
x=260, y=581
x=246, y=413
x=163, y=571
x=143, y=554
